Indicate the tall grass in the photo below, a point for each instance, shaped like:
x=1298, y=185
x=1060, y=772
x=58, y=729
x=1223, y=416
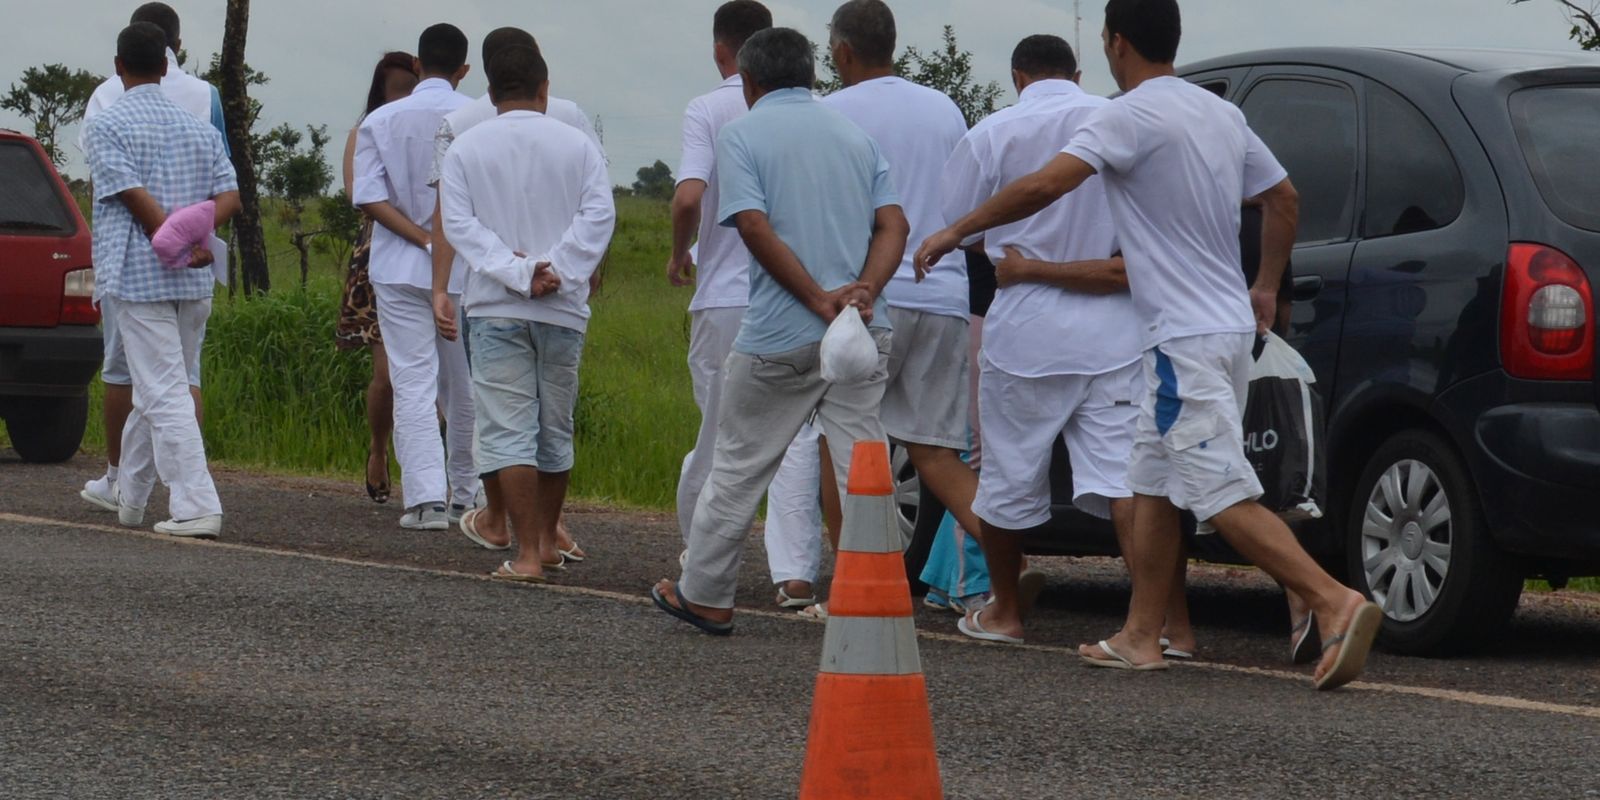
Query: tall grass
x=280, y=396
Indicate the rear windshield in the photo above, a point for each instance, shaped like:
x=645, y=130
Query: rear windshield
x=1559, y=129
x=29, y=200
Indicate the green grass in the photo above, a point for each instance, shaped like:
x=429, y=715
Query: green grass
x=280, y=397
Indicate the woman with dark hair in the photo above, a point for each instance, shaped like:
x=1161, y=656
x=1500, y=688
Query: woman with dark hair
x=392, y=79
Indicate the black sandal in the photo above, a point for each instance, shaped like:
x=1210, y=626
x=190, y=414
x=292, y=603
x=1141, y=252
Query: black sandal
x=380, y=492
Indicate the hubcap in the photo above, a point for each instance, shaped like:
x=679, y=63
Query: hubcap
x=1406, y=540
x=907, y=494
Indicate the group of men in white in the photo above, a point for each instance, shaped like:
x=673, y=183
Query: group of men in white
x=1122, y=322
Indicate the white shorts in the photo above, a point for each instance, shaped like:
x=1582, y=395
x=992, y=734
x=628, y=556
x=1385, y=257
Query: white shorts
x=1021, y=418
x=115, y=369
x=926, y=399
x=1189, y=446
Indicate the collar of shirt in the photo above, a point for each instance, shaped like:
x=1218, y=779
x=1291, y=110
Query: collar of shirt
x=783, y=97
x=520, y=114
x=143, y=89
x=1049, y=87
x=732, y=80
x=433, y=85
x=172, y=61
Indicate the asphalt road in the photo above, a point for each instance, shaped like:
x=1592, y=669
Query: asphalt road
x=319, y=651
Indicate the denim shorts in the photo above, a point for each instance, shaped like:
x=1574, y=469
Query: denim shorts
x=525, y=388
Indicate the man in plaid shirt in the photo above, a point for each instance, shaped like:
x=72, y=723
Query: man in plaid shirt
x=147, y=158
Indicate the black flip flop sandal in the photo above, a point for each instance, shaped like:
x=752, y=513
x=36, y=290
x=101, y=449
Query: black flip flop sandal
x=682, y=612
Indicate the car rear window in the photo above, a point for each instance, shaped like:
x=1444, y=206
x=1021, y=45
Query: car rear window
x=1559, y=130
x=29, y=200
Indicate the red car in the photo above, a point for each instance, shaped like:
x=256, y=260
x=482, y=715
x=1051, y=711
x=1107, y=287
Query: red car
x=50, y=344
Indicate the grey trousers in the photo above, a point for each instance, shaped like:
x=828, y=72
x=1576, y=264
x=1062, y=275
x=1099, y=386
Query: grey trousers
x=765, y=401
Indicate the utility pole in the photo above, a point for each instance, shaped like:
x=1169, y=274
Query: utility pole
x=1077, y=28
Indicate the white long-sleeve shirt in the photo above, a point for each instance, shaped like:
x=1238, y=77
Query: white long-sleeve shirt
x=526, y=183
x=394, y=154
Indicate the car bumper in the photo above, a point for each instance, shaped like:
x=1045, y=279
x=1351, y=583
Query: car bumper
x=49, y=362
x=1538, y=474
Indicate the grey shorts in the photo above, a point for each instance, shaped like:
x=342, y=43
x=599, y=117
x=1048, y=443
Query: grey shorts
x=115, y=369
x=927, y=396
x=525, y=388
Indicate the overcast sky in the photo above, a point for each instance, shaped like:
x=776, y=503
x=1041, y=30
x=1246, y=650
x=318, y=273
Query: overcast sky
x=636, y=63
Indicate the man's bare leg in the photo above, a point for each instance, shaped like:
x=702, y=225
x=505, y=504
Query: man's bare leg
x=380, y=418
x=832, y=504
x=1153, y=558
x=1178, y=629
x=550, y=493
x=1265, y=541
x=943, y=472
x=1003, y=550
x=492, y=522
x=521, y=483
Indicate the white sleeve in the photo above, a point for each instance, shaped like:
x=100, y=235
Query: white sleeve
x=371, y=179
x=585, y=124
x=1261, y=168
x=584, y=242
x=482, y=248
x=1108, y=141
x=965, y=184
x=699, y=146
x=97, y=103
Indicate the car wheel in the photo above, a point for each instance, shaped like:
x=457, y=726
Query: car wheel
x=46, y=430
x=1419, y=547
x=907, y=493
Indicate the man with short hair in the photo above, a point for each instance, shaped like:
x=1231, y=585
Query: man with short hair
x=149, y=157
x=721, y=296
x=487, y=527
x=394, y=156
x=925, y=401
x=811, y=197
x=526, y=200
x=1178, y=162
x=202, y=100
x=1061, y=344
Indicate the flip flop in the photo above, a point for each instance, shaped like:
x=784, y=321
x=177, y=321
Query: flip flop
x=682, y=612
x=975, y=629
x=1304, y=648
x=1168, y=651
x=573, y=554
x=469, y=527
x=1030, y=584
x=1354, y=645
x=785, y=601
x=560, y=564
x=1119, y=661
x=937, y=601
x=817, y=612
x=507, y=573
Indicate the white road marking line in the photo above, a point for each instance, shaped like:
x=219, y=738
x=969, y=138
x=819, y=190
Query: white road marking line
x=1446, y=695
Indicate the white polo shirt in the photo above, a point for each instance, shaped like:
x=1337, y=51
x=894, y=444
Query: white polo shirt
x=525, y=182
x=723, y=265
x=1178, y=163
x=394, y=156
x=916, y=129
x=190, y=93
x=1034, y=330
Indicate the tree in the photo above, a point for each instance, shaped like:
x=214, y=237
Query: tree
x=341, y=225
x=948, y=69
x=240, y=113
x=51, y=96
x=655, y=181
x=295, y=176
x=1585, y=21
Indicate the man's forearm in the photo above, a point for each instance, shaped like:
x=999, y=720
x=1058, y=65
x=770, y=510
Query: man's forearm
x=1026, y=196
x=144, y=209
x=778, y=260
x=384, y=213
x=887, y=248
x=686, y=215
x=1107, y=276
x=444, y=256
x=228, y=204
x=1280, y=215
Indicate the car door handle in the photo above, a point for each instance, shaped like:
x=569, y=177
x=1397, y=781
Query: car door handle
x=1307, y=287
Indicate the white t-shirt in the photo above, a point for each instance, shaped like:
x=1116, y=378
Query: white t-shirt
x=916, y=129
x=1178, y=163
x=192, y=94
x=470, y=116
x=525, y=182
x=1033, y=329
x=721, y=258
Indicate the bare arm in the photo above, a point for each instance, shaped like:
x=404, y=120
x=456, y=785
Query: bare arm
x=1023, y=198
x=350, y=163
x=144, y=208
x=444, y=257
x=1100, y=276
x=686, y=201
x=1280, y=209
x=228, y=204
x=887, y=249
x=384, y=213
x=782, y=264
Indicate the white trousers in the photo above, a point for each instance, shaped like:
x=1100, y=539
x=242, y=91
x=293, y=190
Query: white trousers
x=429, y=375
x=794, y=507
x=162, y=437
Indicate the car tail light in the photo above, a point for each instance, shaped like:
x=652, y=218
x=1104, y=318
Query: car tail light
x=1546, y=316
x=77, y=299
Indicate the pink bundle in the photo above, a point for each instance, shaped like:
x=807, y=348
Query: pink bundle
x=184, y=230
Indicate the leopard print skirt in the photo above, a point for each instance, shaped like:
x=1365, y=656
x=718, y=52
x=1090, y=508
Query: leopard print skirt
x=358, y=314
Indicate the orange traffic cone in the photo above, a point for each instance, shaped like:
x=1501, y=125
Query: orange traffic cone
x=871, y=736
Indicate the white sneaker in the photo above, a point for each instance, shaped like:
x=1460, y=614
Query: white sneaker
x=426, y=518
x=130, y=516
x=198, y=528
x=100, y=493
x=457, y=511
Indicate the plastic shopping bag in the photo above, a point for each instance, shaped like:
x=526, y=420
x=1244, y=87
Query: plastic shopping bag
x=849, y=355
x=1283, y=432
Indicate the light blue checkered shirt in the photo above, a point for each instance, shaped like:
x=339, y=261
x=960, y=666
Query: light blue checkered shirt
x=146, y=140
